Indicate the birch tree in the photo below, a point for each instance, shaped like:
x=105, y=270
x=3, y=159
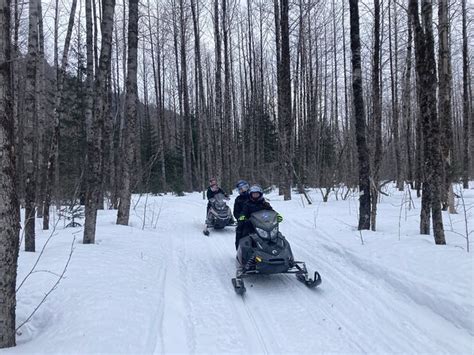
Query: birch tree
x=95, y=122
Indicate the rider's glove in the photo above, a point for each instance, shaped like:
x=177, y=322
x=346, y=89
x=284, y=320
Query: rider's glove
x=242, y=218
x=279, y=218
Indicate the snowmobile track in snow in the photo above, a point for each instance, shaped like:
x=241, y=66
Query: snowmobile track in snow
x=374, y=297
x=230, y=275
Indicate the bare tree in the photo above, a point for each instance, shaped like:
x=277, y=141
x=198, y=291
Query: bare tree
x=187, y=128
x=426, y=88
x=30, y=133
x=9, y=207
x=394, y=89
x=227, y=102
x=362, y=149
x=284, y=99
x=53, y=150
x=376, y=115
x=466, y=99
x=41, y=124
x=445, y=107
x=406, y=108
x=131, y=99
x=95, y=122
x=200, y=104
x=218, y=92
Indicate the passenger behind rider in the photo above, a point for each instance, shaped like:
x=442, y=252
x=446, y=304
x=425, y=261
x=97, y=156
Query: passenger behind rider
x=242, y=187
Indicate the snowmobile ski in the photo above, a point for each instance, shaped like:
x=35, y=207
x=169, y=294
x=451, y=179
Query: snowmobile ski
x=239, y=286
x=311, y=283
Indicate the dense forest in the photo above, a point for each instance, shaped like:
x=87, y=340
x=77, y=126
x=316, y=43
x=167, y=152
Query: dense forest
x=103, y=99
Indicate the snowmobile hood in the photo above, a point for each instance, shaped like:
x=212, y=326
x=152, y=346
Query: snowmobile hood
x=219, y=201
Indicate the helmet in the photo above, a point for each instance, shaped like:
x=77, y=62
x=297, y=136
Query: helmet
x=255, y=189
x=242, y=186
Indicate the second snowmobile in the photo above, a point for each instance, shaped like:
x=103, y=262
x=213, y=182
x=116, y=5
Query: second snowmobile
x=266, y=251
x=219, y=215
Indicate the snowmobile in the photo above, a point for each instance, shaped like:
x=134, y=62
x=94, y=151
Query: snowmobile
x=266, y=251
x=219, y=215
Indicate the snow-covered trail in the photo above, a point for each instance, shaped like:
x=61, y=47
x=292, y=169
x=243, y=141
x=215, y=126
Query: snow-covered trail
x=352, y=311
x=161, y=286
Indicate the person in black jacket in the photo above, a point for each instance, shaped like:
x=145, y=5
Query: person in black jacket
x=242, y=187
x=255, y=203
x=212, y=191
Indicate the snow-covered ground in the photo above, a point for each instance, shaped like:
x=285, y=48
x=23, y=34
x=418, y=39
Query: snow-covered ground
x=161, y=286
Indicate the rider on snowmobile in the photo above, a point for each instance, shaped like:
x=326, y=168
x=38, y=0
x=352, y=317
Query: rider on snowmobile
x=213, y=190
x=255, y=203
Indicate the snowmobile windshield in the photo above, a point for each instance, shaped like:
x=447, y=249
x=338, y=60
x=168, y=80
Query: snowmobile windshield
x=219, y=201
x=265, y=223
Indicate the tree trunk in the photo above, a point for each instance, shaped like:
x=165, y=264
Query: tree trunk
x=95, y=122
x=426, y=70
x=285, y=102
x=30, y=134
x=406, y=109
x=200, y=94
x=9, y=207
x=53, y=151
x=227, y=104
x=156, y=65
x=281, y=166
x=131, y=99
x=218, y=93
x=445, y=89
x=187, y=129
x=16, y=102
x=41, y=126
x=376, y=115
x=465, y=96
x=394, y=90
x=362, y=150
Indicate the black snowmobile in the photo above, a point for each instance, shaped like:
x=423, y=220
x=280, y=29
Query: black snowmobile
x=266, y=251
x=219, y=215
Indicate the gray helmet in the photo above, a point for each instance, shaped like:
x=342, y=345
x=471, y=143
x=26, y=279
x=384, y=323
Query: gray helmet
x=255, y=189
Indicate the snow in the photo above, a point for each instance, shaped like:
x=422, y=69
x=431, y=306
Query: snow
x=161, y=286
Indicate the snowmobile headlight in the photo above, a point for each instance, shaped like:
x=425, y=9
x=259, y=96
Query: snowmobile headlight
x=274, y=232
x=258, y=259
x=262, y=232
